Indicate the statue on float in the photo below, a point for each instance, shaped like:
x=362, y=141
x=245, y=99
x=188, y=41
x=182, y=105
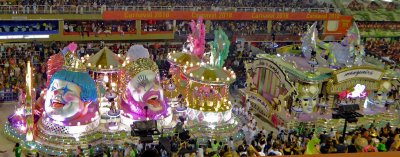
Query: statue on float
x=142, y=96
x=71, y=97
x=219, y=48
x=348, y=52
x=197, y=39
x=308, y=98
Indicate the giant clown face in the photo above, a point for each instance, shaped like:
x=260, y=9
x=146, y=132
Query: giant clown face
x=69, y=95
x=143, y=89
x=63, y=100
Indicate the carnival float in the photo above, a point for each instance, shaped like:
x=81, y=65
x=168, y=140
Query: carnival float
x=202, y=83
x=88, y=100
x=293, y=89
x=96, y=99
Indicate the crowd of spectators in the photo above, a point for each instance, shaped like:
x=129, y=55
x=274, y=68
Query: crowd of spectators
x=240, y=27
x=156, y=25
x=252, y=27
x=201, y=3
x=384, y=26
x=392, y=6
x=107, y=28
x=384, y=48
x=13, y=67
x=99, y=27
x=291, y=142
x=356, y=6
x=374, y=6
x=300, y=141
x=294, y=27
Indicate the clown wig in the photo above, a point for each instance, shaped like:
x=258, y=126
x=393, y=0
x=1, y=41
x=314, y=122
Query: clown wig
x=82, y=79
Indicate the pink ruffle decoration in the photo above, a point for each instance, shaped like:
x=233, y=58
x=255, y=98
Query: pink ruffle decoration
x=54, y=64
x=198, y=37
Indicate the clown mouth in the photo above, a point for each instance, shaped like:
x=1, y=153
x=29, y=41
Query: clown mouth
x=56, y=104
x=153, y=101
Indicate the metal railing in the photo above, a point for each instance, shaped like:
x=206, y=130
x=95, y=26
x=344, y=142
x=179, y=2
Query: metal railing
x=83, y=9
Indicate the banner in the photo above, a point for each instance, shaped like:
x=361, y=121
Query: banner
x=210, y=15
x=359, y=73
x=28, y=27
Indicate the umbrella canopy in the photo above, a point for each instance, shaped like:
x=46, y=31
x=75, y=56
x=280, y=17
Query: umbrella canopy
x=181, y=59
x=137, y=51
x=104, y=58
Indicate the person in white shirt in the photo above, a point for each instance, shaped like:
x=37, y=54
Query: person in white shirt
x=119, y=29
x=127, y=149
x=169, y=25
x=248, y=104
x=200, y=151
x=66, y=27
x=71, y=28
x=260, y=151
x=274, y=151
x=332, y=134
x=82, y=51
x=231, y=145
x=253, y=133
x=2, y=48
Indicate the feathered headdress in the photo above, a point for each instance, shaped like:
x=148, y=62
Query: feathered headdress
x=54, y=64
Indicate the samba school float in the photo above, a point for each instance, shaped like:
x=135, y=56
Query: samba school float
x=202, y=85
x=292, y=89
x=89, y=100
x=98, y=99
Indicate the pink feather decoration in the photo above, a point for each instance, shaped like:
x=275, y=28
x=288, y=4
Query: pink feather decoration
x=54, y=64
x=72, y=47
x=199, y=37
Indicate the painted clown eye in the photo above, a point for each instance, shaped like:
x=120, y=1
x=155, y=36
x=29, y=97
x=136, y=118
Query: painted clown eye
x=142, y=80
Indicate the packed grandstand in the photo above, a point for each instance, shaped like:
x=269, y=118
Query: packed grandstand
x=276, y=86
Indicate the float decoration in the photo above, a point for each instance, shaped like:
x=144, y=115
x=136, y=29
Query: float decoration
x=346, y=77
x=198, y=37
x=104, y=60
x=205, y=95
x=182, y=59
x=141, y=88
x=339, y=54
x=220, y=48
x=137, y=51
x=71, y=110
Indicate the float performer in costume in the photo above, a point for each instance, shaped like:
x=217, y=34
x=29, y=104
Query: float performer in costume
x=69, y=95
x=143, y=89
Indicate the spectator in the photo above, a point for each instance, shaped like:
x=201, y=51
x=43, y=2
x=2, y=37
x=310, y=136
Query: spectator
x=17, y=150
